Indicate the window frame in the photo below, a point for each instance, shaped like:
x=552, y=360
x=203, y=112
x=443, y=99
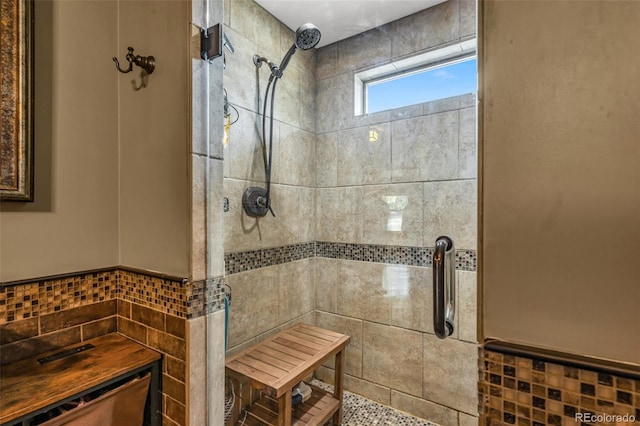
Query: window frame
x=433, y=59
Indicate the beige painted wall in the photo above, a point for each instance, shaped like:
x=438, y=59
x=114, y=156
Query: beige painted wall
x=154, y=134
x=561, y=181
x=111, y=183
x=73, y=223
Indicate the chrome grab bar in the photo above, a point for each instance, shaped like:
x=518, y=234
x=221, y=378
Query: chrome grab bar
x=444, y=287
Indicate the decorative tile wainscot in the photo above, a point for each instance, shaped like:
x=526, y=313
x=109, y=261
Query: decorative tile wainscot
x=519, y=390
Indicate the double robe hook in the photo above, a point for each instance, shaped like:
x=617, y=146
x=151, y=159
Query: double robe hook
x=147, y=63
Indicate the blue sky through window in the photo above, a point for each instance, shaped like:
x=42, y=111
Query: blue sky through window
x=436, y=83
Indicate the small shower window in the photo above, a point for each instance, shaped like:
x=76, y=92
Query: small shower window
x=438, y=74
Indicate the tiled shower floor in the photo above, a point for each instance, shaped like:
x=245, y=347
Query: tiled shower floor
x=360, y=411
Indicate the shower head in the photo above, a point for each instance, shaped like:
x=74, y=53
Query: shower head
x=307, y=37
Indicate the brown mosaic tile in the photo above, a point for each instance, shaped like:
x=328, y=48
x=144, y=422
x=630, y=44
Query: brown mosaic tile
x=538, y=402
x=159, y=294
x=45, y=296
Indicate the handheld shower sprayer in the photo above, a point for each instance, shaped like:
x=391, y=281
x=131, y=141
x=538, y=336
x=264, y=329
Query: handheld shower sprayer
x=255, y=200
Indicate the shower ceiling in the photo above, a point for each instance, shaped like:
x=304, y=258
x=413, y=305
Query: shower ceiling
x=340, y=19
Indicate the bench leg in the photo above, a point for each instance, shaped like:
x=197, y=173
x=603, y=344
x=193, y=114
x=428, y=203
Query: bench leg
x=339, y=385
x=284, y=409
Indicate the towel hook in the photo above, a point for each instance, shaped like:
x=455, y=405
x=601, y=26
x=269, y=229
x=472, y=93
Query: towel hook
x=147, y=63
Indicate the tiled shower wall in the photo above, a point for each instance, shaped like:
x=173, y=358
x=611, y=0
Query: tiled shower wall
x=412, y=182
x=265, y=299
x=343, y=195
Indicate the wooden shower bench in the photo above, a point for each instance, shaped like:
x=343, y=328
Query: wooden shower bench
x=276, y=365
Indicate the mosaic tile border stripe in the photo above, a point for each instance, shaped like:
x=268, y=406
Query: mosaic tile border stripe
x=466, y=260
x=161, y=294
x=29, y=300
x=205, y=297
x=169, y=295
x=261, y=258
x=522, y=390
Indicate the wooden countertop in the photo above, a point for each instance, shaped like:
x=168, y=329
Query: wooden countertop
x=27, y=386
x=281, y=362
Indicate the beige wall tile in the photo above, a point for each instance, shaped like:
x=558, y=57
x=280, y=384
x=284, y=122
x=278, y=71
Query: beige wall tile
x=296, y=289
x=245, y=149
x=252, y=21
x=240, y=73
x=339, y=214
x=267, y=34
x=389, y=115
x=325, y=374
x=326, y=271
x=412, y=301
x=364, y=155
x=307, y=96
x=351, y=327
x=198, y=249
x=363, y=291
x=408, y=34
x=215, y=107
x=363, y=50
x=287, y=103
x=327, y=160
x=215, y=372
x=307, y=211
x=283, y=229
x=242, y=346
x=392, y=357
x=451, y=373
x=334, y=103
x=393, y=214
x=449, y=104
x=215, y=219
x=242, y=232
x=424, y=409
x=425, y=148
x=467, y=152
x=296, y=157
x=468, y=27
x=254, y=308
x=327, y=62
x=450, y=209
x=197, y=370
x=467, y=310
x=467, y=420
x=369, y=390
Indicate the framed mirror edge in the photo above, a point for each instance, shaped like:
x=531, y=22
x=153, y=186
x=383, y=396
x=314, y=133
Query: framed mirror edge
x=17, y=181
